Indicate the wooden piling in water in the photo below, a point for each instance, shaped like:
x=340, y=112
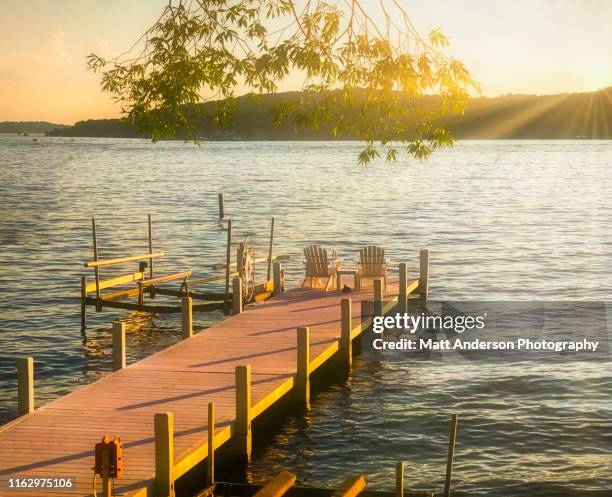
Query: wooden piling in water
x=150, y=245
x=451, y=454
x=187, y=317
x=303, y=365
x=164, y=454
x=228, y=261
x=346, y=322
x=424, y=274
x=221, y=206
x=83, y=303
x=118, y=346
x=243, y=411
x=270, y=249
x=402, y=299
x=96, y=268
x=237, y=295
x=399, y=479
x=277, y=277
x=25, y=385
x=211, y=444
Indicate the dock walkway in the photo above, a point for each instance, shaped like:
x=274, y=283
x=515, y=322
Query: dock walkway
x=58, y=439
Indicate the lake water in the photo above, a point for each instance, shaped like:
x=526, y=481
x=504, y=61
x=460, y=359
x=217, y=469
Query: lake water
x=513, y=220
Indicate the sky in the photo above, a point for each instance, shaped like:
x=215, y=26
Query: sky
x=510, y=46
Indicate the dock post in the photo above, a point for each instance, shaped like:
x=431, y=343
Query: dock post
x=211, y=444
x=378, y=297
x=243, y=411
x=96, y=269
x=228, y=263
x=25, y=385
x=150, y=222
x=403, y=290
x=237, y=295
x=187, y=317
x=221, y=210
x=83, y=303
x=303, y=365
x=270, y=249
x=399, y=479
x=276, y=275
x=346, y=323
x=451, y=454
x=118, y=345
x=424, y=274
x=164, y=454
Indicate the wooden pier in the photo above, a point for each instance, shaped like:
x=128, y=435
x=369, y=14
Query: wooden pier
x=159, y=406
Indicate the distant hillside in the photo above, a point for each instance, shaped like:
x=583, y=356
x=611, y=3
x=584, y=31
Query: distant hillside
x=109, y=128
x=564, y=116
x=29, y=127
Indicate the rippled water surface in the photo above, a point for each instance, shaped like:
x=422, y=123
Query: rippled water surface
x=503, y=220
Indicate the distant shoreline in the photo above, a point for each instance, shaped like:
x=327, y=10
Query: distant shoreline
x=548, y=117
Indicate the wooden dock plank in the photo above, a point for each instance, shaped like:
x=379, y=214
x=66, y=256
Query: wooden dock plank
x=58, y=439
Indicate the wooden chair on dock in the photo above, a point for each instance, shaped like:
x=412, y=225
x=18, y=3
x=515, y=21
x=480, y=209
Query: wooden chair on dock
x=319, y=266
x=372, y=264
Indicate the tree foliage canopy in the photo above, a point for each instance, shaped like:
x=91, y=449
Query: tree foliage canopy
x=358, y=74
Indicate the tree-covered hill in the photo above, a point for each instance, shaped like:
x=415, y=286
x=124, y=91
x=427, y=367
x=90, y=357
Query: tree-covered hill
x=564, y=116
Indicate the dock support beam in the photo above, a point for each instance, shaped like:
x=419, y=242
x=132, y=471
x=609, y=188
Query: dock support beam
x=424, y=274
x=187, y=317
x=118, y=345
x=25, y=385
x=270, y=249
x=451, y=454
x=346, y=323
x=237, y=295
x=211, y=444
x=243, y=411
x=303, y=365
x=164, y=454
x=399, y=479
x=378, y=297
x=228, y=263
x=403, y=291
x=83, y=303
x=277, y=279
x=221, y=209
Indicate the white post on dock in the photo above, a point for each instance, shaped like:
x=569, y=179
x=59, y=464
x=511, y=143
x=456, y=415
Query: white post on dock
x=164, y=454
x=403, y=290
x=378, y=297
x=221, y=206
x=237, y=295
x=303, y=365
x=187, y=317
x=243, y=411
x=346, y=323
x=277, y=279
x=399, y=479
x=211, y=444
x=118, y=345
x=451, y=454
x=25, y=385
x=424, y=274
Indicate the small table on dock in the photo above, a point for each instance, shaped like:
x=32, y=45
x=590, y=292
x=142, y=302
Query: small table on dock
x=347, y=272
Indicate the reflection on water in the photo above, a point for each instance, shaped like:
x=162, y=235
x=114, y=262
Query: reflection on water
x=504, y=220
